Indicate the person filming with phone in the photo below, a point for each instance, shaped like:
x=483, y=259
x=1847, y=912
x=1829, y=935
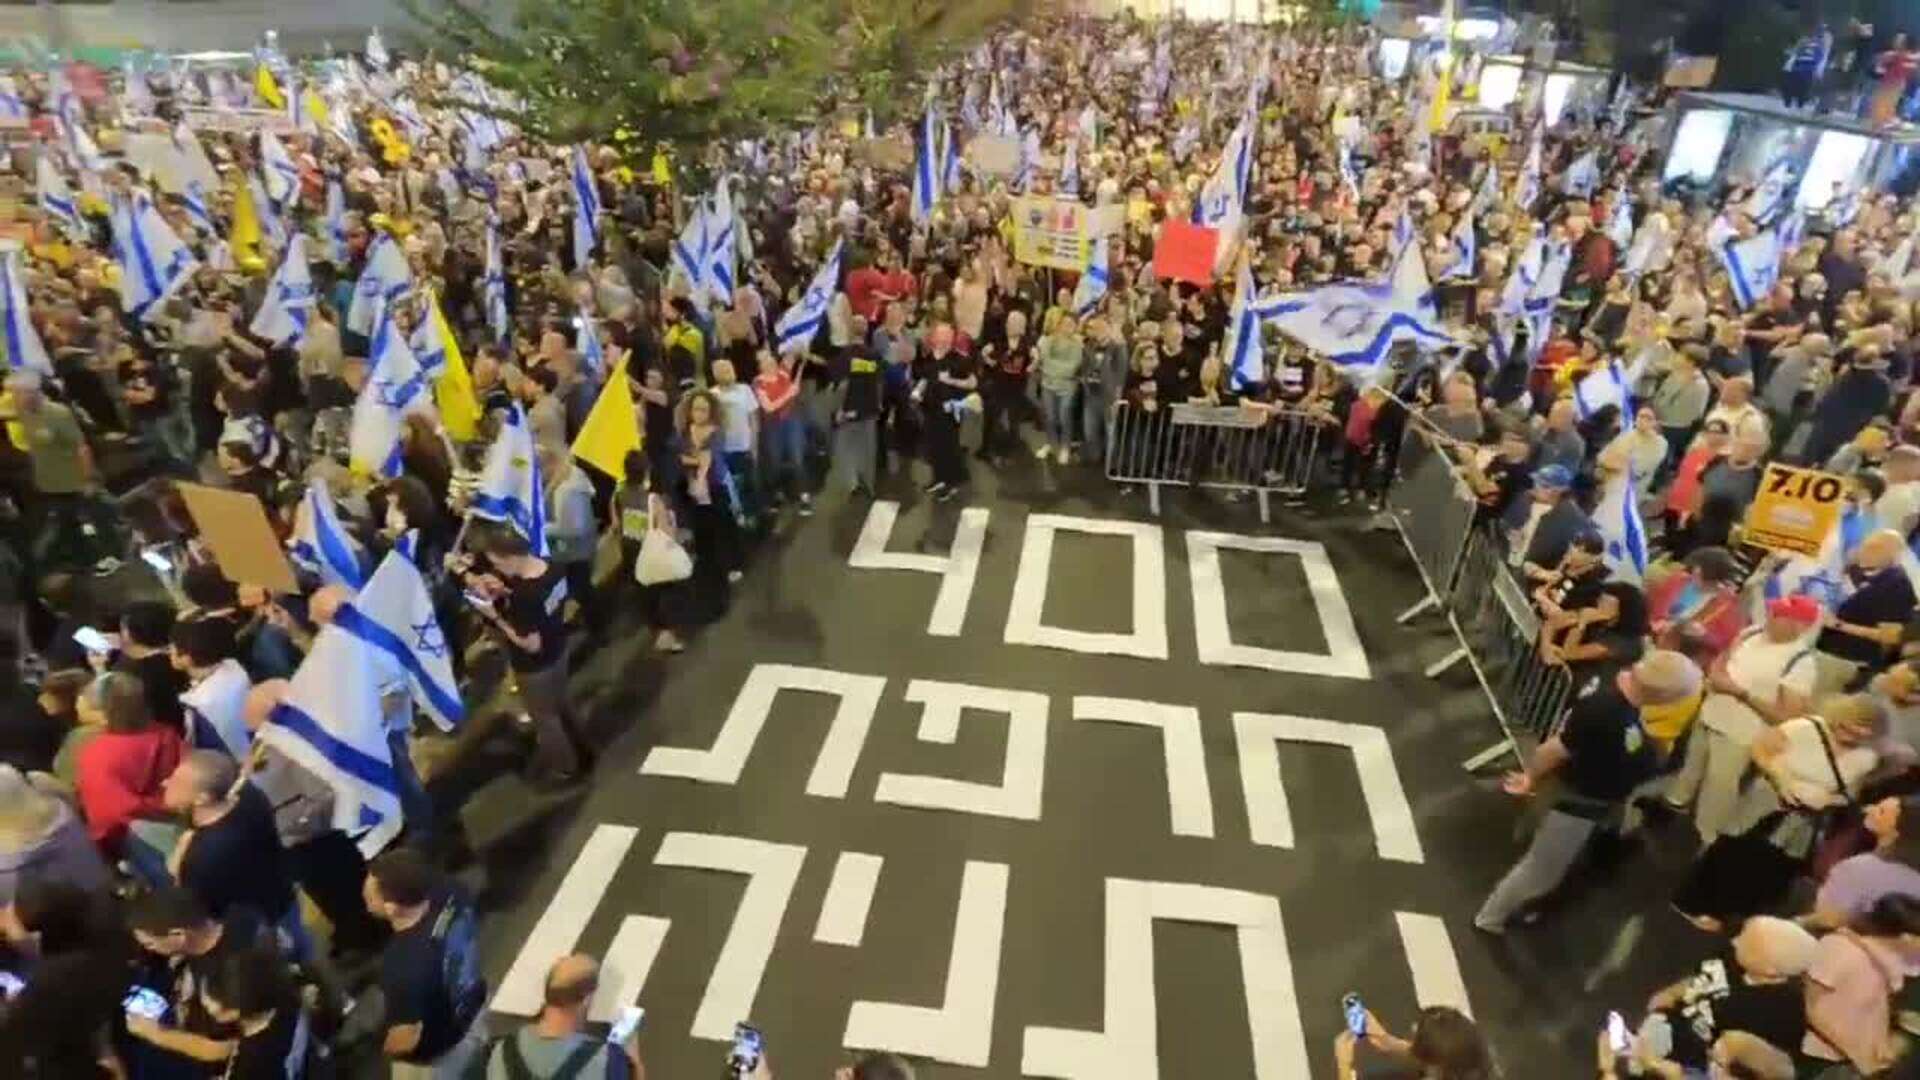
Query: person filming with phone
x=556, y=1046
x=1445, y=1045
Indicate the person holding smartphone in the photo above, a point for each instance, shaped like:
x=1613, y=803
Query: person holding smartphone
x=1445, y=1046
x=557, y=1044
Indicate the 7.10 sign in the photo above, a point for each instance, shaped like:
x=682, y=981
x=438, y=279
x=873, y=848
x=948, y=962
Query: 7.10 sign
x=1794, y=509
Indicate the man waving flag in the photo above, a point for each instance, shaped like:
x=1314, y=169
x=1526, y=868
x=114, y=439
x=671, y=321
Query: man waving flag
x=801, y=321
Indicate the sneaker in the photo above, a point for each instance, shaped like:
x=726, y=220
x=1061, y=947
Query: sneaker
x=1064, y=456
x=806, y=506
x=1042, y=451
x=734, y=576
x=1344, y=498
x=936, y=488
x=946, y=494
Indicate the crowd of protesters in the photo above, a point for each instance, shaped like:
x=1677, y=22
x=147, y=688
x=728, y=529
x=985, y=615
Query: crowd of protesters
x=150, y=842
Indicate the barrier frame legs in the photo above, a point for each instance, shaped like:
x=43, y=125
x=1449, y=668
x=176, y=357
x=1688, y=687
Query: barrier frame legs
x=1492, y=754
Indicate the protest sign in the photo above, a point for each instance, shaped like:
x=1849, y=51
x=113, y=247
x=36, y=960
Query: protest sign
x=235, y=528
x=993, y=155
x=241, y=121
x=1051, y=232
x=1794, y=509
x=1184, y=252
x=894, y=153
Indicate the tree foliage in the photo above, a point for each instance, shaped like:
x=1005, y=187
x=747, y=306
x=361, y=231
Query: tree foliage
x=688, y=72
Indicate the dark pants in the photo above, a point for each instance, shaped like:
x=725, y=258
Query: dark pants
x=330, y=870
x=943, y=446
x=543, y=693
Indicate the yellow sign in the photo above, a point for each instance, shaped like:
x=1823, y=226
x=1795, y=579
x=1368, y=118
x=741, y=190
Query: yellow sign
x=1794, y=509
x=1051, y=232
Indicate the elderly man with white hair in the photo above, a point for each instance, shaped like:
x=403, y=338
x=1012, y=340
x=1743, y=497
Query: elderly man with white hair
x=1865, y=627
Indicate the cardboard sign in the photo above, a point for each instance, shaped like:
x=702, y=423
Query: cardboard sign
x=892, y=154
x=1051, y=232
x=239, y=121
x=1794, y=509
x=992, y=155
x=1691, y=72
x=1106, y=220
x=1185, y=252
x=235, y=528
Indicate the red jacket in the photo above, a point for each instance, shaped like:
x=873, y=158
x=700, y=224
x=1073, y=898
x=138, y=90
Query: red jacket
x=118, y=779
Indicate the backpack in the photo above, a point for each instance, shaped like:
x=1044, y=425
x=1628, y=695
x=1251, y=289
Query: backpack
x=507, y=1049
x=454, y=934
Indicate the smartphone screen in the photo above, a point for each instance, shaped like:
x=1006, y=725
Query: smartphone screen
x=93, y=640
x=10, y=984
x=1617, y=1038
x=477, y=600
x=160, y=563
x=1356, y=1015
x=625, y=1024
x=145, y=1002
x=746, y=1048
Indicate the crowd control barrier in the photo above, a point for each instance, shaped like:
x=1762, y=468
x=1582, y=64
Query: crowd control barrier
x=1225, y=447
x=1468, y=578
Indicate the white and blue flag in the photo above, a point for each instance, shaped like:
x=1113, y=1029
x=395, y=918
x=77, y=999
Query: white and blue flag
x=12, y=105
x=194, y=200
x=1225, y=194
x=1770, y=195
x=1528, y=187
x=1610, y=384
x=24, y=347
x=1464, y=246
x=1620, y=222
x=429, y=348
x=593, y=354
x=800, y=322
x=949, y=160
x=56, y=198
x=1027, y=162
x=394, y=614
x=1582, y=176
x=272, y=226
x=377, y=50
x=689, y=256
x=192, y=160
x=1617, y=516
x=1753, y=264
x=288, y=304
x=586, y=208
x=277, y=167
x=926, y=170
x=723, y=244
x=337, y=222
x=154, y=264
x=1355, y=325
x=1488, y=196
x=320, y=545
x=332, y=725
x=384, y=281
x=1241, y=351
x=510, y=490
x=494, y=286
x=394, y=388
x=1070, y=169
x=1348, y=173
x=1093, y=282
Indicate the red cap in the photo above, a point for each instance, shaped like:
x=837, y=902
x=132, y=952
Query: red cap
x=1801, y=609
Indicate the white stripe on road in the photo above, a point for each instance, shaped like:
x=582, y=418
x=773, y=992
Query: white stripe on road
x=956, y=569
x=1189, y=794
x=1213, y=637
x=843, y=914
x=624, y=970
x=1025, y=617
x=1436, y=970
x=523, y=989
x=723, y=762
x=1270, y=820
x=1018, y=795
x=771, y=870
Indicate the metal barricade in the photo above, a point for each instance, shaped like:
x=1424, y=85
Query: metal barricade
x=1464, y=568
x=1225, y=448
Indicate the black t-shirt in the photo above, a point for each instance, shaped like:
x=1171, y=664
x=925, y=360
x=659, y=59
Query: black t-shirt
x=533, y=606
x=414, y=976
x=1582, y=590
x=240, y=930
x=163, y=684
x=953, y=366
x=237, y=861
x=1608, y=752
x=263, y=1054
x=1719, y=1001
x=1511, y=479
x=1885, y=597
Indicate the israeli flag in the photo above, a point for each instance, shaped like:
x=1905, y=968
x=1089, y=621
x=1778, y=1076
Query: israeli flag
x=926, y=170
x=1752, y=266
x=320, y=544
x=593, y=355
x=586, y=209
x=377, y=50
x=332, y=725
x=494, y=286
x=24, y=347
x=276, y=165
x=1465, y=248
x=1093, y=282
x=12, y=106
x=689, y=256
x=1522, y=276
x=1770, y=195
x=723, y=243
x=1583, y=175
x=271, y=225
x=800, y=322
x=1609, y=384
x=199, y=212
x=1241, y=351
x=1844, y=208
x=1070, y=170
x=384, y=281
x=192, y=161
x=284, y=311
x=1347, y=172
x=999, y=116
x=56, y=198
x=395, y=387
x=1792, y=229
x=1617, y=516
x=1823, y=576
x=337, y=222
x=154, y=264
x=1355, y=325
x=1402, y=232
x=1620, y=223
x=1028, y=160
x=1488, y=196
x=137, y=95
x=1225, y=193
x=1528, y=189
x=1089, y=124
x=511, y=491
x=950, y=160
x=394, y=615
x=425, y=341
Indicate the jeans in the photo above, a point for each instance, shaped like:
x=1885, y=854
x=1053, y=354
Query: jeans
x=786, y=453
x=1558, y=842
x=1057, y=406
x=856, y=449
x=746, y=483
x=544, y=695
x=1094, y=410
x=451, y=1065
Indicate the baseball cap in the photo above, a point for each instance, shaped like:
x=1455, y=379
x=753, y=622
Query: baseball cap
x=1554, y=476
x=1800, y=609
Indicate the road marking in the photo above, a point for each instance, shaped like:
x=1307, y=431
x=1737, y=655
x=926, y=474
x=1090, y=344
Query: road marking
x=1127, y=1047
x=1436, y=970
x=1148, y=638
x=843, y=914
x=960, y=1030
x=523, y=989
x=771, y=870
x=1213, y=637
x=1270, y=821
x=956, y=569
x=1018, y=794
x=624, y=970
x=1189, y=795
x=832, y=770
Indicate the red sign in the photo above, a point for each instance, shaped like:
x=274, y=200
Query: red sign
x=1185, y=252
x=87, y=81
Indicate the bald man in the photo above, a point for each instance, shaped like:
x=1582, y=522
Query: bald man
x=230, y=856
x=1865, y=629
x=556, y=1043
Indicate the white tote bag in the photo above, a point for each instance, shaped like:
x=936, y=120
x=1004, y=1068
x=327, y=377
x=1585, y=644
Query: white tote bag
x=662, y=560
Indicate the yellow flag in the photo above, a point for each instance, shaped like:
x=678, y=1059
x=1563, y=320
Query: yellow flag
x=612, y=430
x=662, y=169
x=317, y=108
x=244, y=239
x=453, y=389
x=268, y=90
x=1438, y=119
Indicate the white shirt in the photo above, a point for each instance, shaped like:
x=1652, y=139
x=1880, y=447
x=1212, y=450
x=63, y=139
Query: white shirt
x=1760, y=666
x=1899, y=507
x=1804, y=765
x=216, y=709
x=737, y=406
